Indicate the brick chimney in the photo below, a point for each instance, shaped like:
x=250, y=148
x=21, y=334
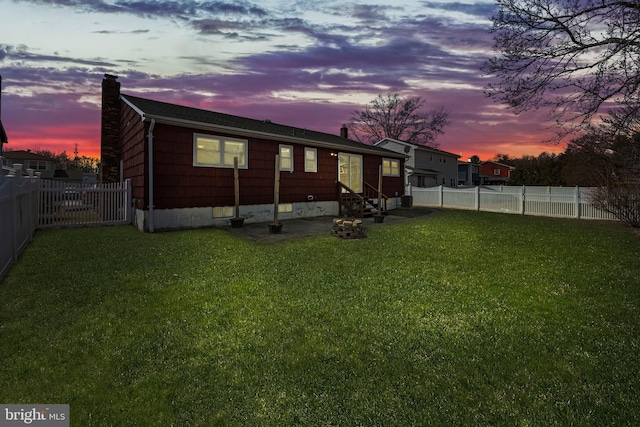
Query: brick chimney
x=110, y=133
x=3, y=134
x=344, y=131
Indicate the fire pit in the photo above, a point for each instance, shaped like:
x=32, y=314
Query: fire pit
x=347, y=228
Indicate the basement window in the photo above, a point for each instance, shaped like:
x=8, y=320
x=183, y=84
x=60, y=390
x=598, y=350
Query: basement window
x=285, y=208
x=219, y=151
x=390, y=167
x=223, y=211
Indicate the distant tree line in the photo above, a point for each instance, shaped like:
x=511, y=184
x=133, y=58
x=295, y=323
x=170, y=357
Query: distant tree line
x=588, y=161
x=603, y=157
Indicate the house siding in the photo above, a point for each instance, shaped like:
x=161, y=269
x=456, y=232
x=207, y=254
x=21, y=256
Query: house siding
x=132, y=131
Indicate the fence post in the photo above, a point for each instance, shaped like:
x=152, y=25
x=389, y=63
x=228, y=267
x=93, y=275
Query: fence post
x=522, y=199
x=577, y=201
x=128, y=208
x=29, y=196
x=38, y=194
x=16, y=180
x=477, y=198
x=440, y=196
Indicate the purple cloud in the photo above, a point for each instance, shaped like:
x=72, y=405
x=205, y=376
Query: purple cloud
x=355, y=49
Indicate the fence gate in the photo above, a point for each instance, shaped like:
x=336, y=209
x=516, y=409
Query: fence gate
x=65, y=204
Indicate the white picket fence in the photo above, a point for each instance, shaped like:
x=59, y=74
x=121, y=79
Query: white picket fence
x=28, y=203
x=562, y=202
x=64, y=204
x=18, y=215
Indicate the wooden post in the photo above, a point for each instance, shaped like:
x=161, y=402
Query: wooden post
x=276, y=191
x=380, y=190
x=236, y=186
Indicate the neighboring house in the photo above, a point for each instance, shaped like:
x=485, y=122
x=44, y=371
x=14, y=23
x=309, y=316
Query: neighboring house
x=494, y=173
x=70, y=175
x=46, y=166
x=468, y=174
x=28, y=160
x=180, y=161
x=426, y=166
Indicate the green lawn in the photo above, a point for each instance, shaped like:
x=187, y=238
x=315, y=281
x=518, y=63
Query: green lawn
x=461, y=318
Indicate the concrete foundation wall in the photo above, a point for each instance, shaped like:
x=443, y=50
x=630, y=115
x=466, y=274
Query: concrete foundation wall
x=167, y=219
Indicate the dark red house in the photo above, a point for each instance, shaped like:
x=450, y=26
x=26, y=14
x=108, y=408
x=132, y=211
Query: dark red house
x=180, y=161
x=494, y=173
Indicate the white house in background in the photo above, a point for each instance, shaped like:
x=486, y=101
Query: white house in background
x=28, y=160
x=426, y=166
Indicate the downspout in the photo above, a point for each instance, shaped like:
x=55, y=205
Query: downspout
x=150, y=140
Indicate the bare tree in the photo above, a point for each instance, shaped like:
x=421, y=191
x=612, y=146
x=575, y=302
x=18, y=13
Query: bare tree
x=389, y=116
x=64, y=161
x=574, y=57
x=615, y=159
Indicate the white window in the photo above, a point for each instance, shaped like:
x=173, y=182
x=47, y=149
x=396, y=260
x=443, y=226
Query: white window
x=496, y=171
x=219, y=151
x=310, y=160
x=390, y=167
x=286, y=158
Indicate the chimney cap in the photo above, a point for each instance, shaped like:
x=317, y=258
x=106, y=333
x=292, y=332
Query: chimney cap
x=110, y=77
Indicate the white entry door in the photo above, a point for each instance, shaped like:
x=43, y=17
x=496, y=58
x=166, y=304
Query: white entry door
x=350, y=171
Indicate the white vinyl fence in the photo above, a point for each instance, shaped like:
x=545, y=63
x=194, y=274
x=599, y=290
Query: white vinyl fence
x=562, y=202
x=18, y=215
x=65, y=204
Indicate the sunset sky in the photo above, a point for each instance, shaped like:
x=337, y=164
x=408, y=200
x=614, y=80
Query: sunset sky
x=303, y=63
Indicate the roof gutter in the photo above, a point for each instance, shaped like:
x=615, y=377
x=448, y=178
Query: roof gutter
x=150, y=141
